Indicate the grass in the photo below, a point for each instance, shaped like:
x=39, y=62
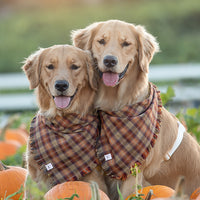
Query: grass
x=176, y=24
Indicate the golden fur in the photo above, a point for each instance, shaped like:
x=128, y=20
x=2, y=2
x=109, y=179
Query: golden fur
x=132, y=45
x=62, y=57
x=81, y=81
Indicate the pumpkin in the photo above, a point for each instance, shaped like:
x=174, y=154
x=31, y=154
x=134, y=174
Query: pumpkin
x=159, y=191
x=17, y=135
x=8, y=148
x=196, y=194
x=179, y=193
x=11, y=180
x=198, y=198
x=67, y=189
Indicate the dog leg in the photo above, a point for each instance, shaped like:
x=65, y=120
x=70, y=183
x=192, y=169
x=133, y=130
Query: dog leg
x=97, y=176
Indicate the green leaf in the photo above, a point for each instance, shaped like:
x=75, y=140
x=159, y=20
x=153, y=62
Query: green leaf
x=119, y=192
x=191, y=112
x=70, y=198
x=18, y=192
x=192, y=120
x=166, y=97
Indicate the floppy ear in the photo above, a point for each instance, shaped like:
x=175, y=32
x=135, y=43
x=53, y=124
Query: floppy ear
x=32, y=69
x=83, y=38
x=147, y=47
x=92, y=75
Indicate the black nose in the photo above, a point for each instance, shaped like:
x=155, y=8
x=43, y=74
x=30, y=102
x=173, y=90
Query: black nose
x=110, y=61
x=61, y=85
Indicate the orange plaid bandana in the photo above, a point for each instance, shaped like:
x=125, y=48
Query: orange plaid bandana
x=70, y=148
x=128, y=135
x=64, y=148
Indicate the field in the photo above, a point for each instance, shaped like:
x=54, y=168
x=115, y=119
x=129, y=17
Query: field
x=26, y=26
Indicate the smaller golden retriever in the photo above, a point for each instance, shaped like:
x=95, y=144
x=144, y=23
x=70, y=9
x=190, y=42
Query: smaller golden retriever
x=122, y=53
x=63, y=133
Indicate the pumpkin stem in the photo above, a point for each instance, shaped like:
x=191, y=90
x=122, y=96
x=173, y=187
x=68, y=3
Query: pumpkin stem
x=95, y=191
x=7, y=125
x=3, y=167
x=135, y=172
x=150, y=193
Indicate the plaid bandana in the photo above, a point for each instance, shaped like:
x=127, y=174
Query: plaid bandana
x=128, y=135
x=70, y=148
x=64, y=148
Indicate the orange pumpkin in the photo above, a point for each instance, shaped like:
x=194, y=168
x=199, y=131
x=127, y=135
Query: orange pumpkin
x=159, y=191
x=8, y=148
x=198, y=198
x=196, y=194
x=11, y=180
x=67, y=189
x=17, y=135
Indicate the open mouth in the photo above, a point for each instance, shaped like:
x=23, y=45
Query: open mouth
x=62, y=101
x=112, y=79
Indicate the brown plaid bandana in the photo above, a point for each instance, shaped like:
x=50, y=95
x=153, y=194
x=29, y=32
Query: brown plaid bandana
x=69, y=148
x=64, y=148
x=128, y=135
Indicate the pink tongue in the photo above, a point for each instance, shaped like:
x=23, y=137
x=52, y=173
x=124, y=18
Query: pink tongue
x=110, y=79
x=62, y=101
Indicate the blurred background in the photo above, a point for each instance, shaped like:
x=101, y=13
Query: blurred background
x=27, y=25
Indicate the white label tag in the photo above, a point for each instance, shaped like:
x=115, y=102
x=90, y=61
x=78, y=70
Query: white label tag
x=49, y=166
x=108, y=157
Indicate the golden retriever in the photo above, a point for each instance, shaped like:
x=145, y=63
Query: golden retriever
x=122, y=53
x=65, y=83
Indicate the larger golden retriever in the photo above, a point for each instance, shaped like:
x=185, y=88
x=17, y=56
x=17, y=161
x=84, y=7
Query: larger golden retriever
x=122, y=53
x=65, y=84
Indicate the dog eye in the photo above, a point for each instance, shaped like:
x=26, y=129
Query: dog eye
x=125, y=44
x=50, y=66
x=102, y=41
x=74, y=67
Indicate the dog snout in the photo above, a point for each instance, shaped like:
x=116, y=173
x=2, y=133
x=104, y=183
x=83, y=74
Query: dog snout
x=61, y=85
x=110, y=61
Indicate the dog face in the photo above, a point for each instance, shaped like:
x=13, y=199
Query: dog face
x=116, y=46
x=114, y=52
x=60, y=73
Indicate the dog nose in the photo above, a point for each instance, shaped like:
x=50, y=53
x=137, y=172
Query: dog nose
x=110, y=61
x=61, y=85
